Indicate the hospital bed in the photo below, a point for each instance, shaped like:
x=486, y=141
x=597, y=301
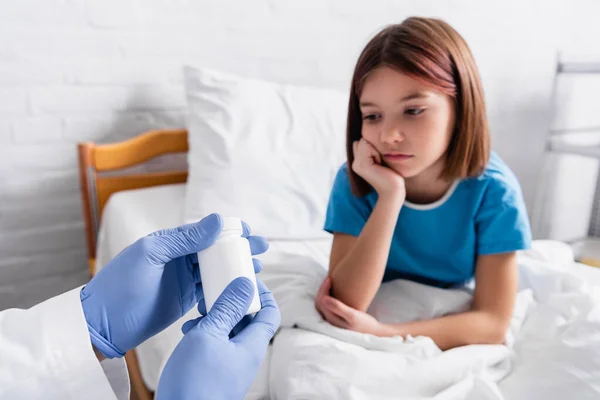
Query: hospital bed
x=119, y=210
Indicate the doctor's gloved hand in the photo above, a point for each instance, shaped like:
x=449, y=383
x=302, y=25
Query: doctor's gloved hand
x=207, y=363
x=150, y=285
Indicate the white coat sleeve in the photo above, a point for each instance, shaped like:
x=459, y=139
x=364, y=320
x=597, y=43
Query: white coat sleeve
x=46, y=353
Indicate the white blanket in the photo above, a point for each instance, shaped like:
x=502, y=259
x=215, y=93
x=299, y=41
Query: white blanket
x=552, y=351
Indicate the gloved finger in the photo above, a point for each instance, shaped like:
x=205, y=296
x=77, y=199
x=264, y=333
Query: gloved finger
x=200, y=298
x=265, y=323
x=258, y=265
x=190, y=324
x=191, y=264
x=164, y=248
x=258, y=244
x=193, y=259
x=230, y=307
x=245, y=229
x=170, y=231
x=246, y=319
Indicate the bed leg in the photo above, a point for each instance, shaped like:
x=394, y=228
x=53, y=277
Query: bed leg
x=139, y=391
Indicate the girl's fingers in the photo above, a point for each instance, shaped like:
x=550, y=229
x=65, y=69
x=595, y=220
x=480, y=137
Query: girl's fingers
x=332, y=318
x=325, y=287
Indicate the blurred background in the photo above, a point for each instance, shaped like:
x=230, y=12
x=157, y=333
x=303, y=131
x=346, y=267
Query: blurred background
x=103, y=71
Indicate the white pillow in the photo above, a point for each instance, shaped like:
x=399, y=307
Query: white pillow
x=261, y=151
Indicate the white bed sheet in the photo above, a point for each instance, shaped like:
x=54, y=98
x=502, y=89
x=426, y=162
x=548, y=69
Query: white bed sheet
x=552, y=349
x=132, y=214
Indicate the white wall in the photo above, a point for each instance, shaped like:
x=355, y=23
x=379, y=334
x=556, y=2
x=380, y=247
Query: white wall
x=75, y=70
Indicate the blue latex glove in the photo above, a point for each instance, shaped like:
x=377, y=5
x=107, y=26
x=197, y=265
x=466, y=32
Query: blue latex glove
x=207, y=363
x=150, y=285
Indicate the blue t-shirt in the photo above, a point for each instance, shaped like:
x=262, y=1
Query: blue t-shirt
x=438, y=243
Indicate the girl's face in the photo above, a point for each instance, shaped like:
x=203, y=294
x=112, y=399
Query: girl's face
x=409, y=123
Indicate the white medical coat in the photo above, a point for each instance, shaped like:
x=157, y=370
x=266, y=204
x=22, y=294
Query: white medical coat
x=46, y=353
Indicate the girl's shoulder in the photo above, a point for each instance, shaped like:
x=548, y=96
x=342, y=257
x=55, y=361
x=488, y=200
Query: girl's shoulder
x=496, y=175
x=497, y=187
x=342, y=178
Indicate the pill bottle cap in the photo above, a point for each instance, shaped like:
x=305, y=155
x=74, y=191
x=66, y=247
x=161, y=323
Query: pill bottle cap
x=231, y=226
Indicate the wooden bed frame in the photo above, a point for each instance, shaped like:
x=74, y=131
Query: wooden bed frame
x=96, y=187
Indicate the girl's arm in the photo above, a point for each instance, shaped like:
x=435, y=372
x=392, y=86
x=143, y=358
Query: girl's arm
x=357, y=264
x=487, y=320
x=485, y=323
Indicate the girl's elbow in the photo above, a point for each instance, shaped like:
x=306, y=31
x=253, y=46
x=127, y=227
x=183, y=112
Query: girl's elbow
x=497, y=337
x=488, y=331
x=353, y=301
x=360, y=306
x=490, y=328
x=495, y=333
x=350, y=299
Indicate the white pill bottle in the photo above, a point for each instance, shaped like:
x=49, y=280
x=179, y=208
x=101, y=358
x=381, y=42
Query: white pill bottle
x=228, y=258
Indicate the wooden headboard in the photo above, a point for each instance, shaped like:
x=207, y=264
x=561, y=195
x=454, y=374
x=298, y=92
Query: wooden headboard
x=96, y=159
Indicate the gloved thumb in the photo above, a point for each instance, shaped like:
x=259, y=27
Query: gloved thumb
x=265, y=323
x=190, y=324
x=230, y=307
x=188, y=239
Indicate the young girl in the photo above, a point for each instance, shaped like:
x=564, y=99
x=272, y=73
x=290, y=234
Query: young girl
x=421, y=196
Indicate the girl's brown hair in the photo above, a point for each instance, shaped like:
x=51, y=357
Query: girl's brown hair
x=432, y=52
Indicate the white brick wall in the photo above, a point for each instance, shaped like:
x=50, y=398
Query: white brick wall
x=75, y=70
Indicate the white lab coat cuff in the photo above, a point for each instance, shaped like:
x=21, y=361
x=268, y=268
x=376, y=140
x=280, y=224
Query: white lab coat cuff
x=116, y=372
